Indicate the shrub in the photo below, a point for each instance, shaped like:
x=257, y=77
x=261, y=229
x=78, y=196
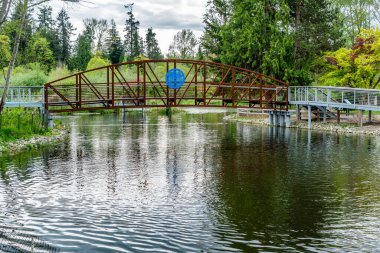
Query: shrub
x=29, y=75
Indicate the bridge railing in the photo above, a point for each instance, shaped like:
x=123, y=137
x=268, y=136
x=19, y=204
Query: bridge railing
x=24, y=96
x=142, y=84
x=337, y=97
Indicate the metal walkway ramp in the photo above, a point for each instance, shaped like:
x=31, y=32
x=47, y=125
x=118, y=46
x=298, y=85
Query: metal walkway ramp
x=335, y=97
x=321, y=100
x=25, y=96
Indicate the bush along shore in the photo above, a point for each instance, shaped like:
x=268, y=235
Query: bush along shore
x=22, y=129
x=347, y=126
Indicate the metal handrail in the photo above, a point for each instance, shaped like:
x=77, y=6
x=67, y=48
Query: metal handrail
x=338, y=97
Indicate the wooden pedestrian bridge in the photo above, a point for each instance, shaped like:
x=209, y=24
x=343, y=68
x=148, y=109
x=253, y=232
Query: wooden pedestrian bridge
x=146, y=84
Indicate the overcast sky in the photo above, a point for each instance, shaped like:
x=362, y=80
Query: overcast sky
x=167, y=17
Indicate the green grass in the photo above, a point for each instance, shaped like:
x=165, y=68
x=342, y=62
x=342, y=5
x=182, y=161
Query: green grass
x=21, y=124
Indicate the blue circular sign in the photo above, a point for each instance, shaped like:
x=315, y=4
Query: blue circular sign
x=175, y=78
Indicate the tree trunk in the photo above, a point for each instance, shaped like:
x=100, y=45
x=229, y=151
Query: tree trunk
x=14, y=56
x=297, y=43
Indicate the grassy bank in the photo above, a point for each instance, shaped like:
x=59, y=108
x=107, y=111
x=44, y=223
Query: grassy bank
x=20, y=123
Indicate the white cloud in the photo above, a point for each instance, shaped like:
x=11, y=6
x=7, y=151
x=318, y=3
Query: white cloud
x=167, y=17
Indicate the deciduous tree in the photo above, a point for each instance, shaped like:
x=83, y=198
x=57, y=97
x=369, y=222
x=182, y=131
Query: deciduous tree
x=358, y=67
x=183, y=45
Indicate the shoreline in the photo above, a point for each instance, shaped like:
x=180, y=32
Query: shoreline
x=344, y=128
x=19, y=145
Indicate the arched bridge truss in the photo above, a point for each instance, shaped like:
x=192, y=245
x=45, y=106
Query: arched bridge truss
x=142, y=84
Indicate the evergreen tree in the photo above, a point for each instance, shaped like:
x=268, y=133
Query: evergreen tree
x=257, y=36
x=218, y=14
x=200, y=54
x=64, y=32
x=45, y=28
x=45, y=19
x=114, y=44
x=316, y=29
x=82, y=52
x=183, y=45
x=132, y=42
x=152, y=49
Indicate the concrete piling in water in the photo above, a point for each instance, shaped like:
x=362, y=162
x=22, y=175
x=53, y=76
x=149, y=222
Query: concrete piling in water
x=288, y=121
x=48, y=118
x=279, y=118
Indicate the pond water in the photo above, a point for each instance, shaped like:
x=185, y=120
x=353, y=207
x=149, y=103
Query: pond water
x=191, y=183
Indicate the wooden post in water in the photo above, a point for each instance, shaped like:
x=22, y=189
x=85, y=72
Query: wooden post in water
x=338, y=116
x=360, y=118
x=298, y=113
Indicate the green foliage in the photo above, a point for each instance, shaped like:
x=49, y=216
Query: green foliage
x=64, y=31
x=11, y=29
x=358, y=67
x=98, y=29
x=82, y=53
x=5, y=51
x=218, y=14
x=40, y=52
x=31, y=74
x=132, y=42
x=113, y=44
x=97, y=62
x=59, y=73
x=44, y=19
x=20, y=123
x=257, y=37
x=280, y=38
x=357, y=15
x=152, y=50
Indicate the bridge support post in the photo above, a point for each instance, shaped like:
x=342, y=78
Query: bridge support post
x=299, y=113
x=360, y=118
x=271, y=118
x=338, y=117
x=369, y=116
x=288, y=121
x=49, y=123
x=275, y=119
x=324, y=114
x=282, y=119
x=309, y=117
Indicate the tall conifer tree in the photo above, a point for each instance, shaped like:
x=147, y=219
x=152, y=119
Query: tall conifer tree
x=64, y=32
x=132, y=42
x=152, y=50
x=114, y=45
